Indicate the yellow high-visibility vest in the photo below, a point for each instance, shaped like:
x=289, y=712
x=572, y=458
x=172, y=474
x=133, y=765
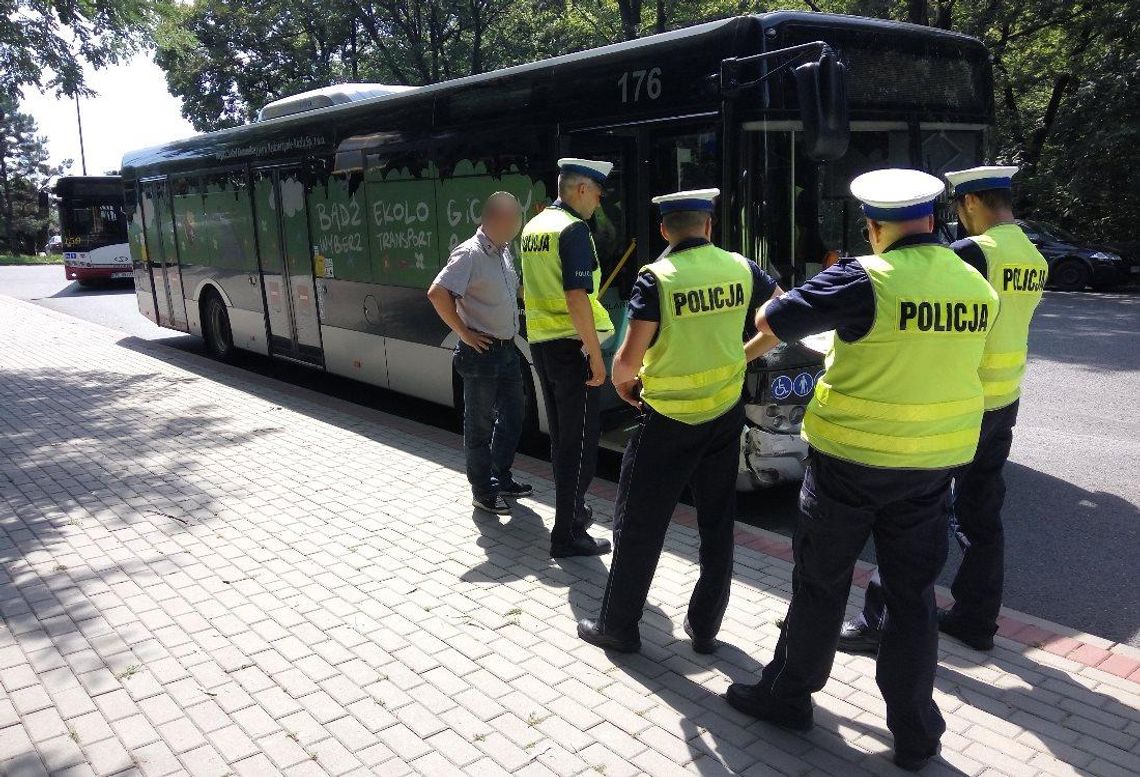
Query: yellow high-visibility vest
x=547, y=316
x=907, y=395
x=694, y=371
x=1017, y=271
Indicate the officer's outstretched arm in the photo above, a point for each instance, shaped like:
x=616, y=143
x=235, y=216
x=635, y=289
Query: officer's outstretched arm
x=627, y=360
x=764, y=340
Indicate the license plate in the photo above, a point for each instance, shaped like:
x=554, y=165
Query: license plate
x=122, y=275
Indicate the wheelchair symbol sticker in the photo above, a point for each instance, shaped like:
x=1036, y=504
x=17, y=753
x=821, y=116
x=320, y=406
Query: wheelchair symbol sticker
x=782, y=387
x=803, y=384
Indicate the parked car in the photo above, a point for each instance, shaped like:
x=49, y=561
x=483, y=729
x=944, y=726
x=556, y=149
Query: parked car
x=54, y=245
x=1073, y=263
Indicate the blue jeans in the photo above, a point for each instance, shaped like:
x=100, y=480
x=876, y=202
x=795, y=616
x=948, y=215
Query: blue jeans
x=492, y=413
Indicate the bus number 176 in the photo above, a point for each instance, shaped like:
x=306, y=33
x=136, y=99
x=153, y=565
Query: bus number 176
x=649, y=79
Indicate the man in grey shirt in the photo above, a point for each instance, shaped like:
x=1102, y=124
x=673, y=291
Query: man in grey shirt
x=476, y=295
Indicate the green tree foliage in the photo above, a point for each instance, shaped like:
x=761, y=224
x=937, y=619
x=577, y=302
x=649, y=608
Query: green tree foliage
x=45, y=43
x=1066, y=73
x=24, y=174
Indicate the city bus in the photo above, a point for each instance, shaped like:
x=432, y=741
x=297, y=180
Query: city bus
x=311, y=234
x=93, y=228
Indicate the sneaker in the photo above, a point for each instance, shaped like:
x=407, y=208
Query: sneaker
x=513, y=488
x=492, y=504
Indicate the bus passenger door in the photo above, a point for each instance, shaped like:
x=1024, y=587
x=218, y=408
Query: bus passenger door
x=163, y=255
x=286, y=261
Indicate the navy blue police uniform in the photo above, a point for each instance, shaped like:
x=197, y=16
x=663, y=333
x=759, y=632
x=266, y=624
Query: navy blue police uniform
x=979, y=493
x=662, y=456
x=570, y=405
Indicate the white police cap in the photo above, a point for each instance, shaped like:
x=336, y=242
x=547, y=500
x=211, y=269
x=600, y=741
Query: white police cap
x=700, y=200
x=593, y=169
x=978, y=179
x=896, y=194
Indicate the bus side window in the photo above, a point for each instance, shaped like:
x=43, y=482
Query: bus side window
x=338, y=221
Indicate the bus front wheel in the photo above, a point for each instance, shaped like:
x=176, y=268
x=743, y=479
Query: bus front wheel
x=216, y=327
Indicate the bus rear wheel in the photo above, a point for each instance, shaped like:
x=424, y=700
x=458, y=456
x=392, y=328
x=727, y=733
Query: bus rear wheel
x=216, y=327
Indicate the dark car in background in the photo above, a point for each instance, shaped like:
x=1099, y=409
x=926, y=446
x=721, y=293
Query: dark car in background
x=1075, y=264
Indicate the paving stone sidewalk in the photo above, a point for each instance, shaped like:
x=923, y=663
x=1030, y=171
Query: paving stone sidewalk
x=205, y=572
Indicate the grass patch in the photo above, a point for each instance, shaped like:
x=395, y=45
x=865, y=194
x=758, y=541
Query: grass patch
x=10, y=259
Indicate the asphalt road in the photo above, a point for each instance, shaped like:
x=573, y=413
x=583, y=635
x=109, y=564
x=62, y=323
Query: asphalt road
x=1073, y=511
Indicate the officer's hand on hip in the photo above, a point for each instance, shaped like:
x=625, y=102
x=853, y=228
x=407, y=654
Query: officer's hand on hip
x=630, y=391
x=597, y=370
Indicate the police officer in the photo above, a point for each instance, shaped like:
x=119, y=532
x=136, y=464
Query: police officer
x=898, y=408
x=1001, y=252
x=564, y=320
x=682, y=364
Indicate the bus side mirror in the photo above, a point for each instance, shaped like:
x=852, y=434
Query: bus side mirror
x=822, y=89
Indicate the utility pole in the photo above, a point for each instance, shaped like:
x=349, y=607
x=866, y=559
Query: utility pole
x=79, y=119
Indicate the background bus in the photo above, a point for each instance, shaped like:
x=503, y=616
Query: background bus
x=311, y=236
x=93, y=228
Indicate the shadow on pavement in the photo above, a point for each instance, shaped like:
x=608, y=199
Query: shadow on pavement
x=517, y=548
x=70, y=442
x=96, y=289
x=1065, y=329
x=1047, y=704
x=1044, y=514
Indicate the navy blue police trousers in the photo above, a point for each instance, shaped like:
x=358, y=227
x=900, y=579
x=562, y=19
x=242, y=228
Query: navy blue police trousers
x=662, y=457
x=980, y=494
x=842, y=504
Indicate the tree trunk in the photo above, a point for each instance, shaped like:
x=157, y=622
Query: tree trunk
x=1037, y=140
x=476, y=38
x=630, y=17
x=916, y=12
x=944, y=18
x=5, y=183
x=661, y=11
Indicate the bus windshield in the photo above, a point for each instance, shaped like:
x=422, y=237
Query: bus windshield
x=93, y=228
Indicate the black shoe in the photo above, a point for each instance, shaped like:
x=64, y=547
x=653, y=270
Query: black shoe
x=580, y=545
x=757, y=702
x=585, y=518
x=912, y=763
x=858, y=637
x=702, y=645
x=949, y=623
x=492, y=504
x=515, y=489
x=590, y=631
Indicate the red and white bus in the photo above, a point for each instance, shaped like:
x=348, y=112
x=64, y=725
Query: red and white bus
x=94, y=228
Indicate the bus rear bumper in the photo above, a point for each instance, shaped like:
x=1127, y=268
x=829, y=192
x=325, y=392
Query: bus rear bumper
x=769, y=458
x=98, y=273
